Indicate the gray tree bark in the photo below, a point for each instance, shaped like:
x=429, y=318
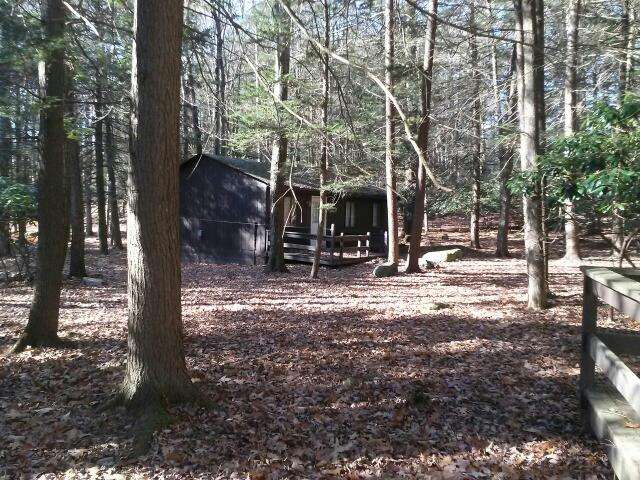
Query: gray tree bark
x=393, y=253
x=541, y=115
x=220, y=112
x=194, y=114
x=627, y=31
x=280, y=143
x=505, y=155
x=476, y=118
x=426, y=82
x=5, y=147
x=87, y=176
x=571, y=232
x=323, y=166
x=99, y=152
x=529, y=122
x=77, y=266
x=114, y=220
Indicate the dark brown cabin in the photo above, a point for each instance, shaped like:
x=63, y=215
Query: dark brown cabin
x=224, y=214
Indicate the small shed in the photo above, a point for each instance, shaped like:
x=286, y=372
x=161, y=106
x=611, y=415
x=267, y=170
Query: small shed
x=224, y=210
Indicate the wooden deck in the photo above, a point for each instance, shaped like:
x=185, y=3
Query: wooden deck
x=613, y=407
x=327, y=262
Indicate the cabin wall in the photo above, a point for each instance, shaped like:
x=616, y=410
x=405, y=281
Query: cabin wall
x=222, y=213
x=363, y=220
x=363, y=213
x=302, y=201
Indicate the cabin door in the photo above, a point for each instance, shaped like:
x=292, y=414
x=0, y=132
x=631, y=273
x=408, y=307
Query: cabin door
x=315, y=218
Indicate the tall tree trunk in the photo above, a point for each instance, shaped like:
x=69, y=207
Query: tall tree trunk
x=99, y=151
x=5, y=146
x=280, y=143
x=21, y=173
x=220, y=112
x=625, y=49
x=53, y=212
x=114, y=221
x=5, y=119
x=476, y=108
x=625, y=59
x=505, y=155
x=23, y=168
x=571, y=233
x=529, y=147
x=426, y=82
x=186, y=138
x=630, y=50
x=88, y=197
x=324, y=155
x=5, y=169
x=156, y=370
x=541, y=117
x=194, y=115
x=393, y=253
x=77, y=267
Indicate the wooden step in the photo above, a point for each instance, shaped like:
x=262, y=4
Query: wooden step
x=615, y=423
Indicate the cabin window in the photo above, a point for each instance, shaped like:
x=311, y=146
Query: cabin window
x=350, y=214
x=375, y=221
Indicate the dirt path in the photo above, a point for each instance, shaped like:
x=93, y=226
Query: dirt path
x=438, y=375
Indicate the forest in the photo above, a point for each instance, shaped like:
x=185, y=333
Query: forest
x=277, y=239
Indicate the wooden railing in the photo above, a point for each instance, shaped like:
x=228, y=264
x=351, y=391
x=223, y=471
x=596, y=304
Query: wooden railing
x=336, y=246
x=614, y=415
x=337, y=249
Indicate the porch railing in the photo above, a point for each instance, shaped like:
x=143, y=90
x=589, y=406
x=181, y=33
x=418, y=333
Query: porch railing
x=614, y=409
x=337, y=248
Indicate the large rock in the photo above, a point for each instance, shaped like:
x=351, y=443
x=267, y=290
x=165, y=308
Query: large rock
x=442, y=256
x=92, y=282
x=388, y=269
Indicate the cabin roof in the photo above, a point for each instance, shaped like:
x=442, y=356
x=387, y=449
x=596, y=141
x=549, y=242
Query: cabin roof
x=303, y=180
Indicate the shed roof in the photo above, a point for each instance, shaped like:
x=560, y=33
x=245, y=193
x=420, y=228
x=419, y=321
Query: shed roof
x=303, y=180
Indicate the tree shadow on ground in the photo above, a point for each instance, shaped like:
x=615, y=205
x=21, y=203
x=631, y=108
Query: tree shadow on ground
x=319, y=379
x=316, y=392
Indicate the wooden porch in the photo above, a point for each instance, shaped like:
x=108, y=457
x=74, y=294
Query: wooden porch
x=339, y=249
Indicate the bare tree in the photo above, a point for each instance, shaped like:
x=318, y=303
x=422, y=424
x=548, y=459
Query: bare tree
x=625, y=49
x=281, y=141
x=323, y=166
x=5, y=149
x=220, y=112
x=393, y=253
x=476, y=119
x=112, y=193
x=505, y=152
x=528, y=96
x=77, y=267
x=192, y=115
x=99, y=153
x=572, y=234
x=88, y=197
x=426, y=82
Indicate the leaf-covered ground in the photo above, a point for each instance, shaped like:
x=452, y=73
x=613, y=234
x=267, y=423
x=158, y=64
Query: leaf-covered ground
x=440, y=375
